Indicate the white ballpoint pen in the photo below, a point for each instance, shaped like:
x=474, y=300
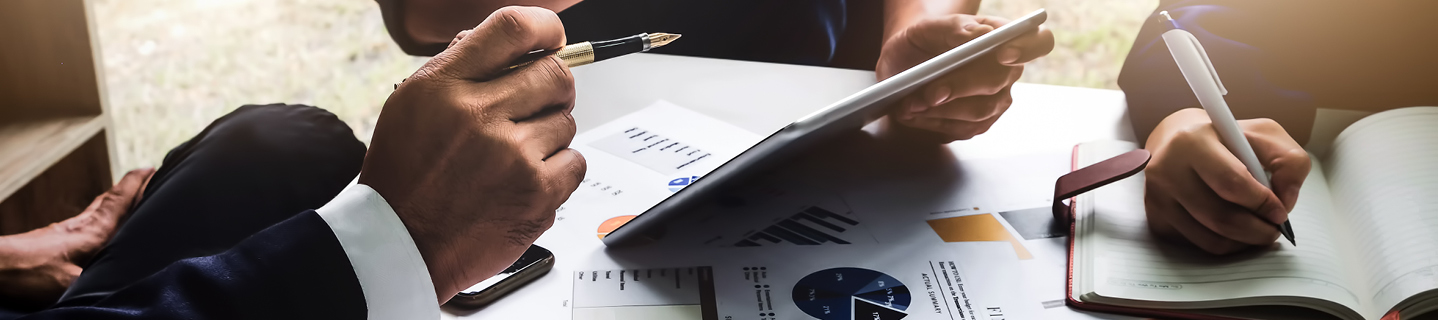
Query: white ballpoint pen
x=1198, y=70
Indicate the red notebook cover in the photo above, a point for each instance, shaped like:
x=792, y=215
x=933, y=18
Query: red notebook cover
x=1100, y=174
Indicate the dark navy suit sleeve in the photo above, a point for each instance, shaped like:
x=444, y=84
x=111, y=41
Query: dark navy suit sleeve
x=295, y=269
x=1154, y=88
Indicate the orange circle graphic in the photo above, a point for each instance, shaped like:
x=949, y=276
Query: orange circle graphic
x=613, y=223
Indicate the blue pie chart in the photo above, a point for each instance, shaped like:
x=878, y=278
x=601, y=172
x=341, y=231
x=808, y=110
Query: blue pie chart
x=851, y=293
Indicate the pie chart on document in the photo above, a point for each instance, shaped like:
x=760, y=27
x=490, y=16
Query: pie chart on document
x=613, y=223
x=851, y=293
x=679, y=183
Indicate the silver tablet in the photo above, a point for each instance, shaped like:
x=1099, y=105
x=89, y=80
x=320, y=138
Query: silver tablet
x=850, y=113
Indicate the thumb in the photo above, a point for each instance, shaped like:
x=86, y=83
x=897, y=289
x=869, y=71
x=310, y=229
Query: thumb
x=117, y=200
x=1281, y=155
x=1027, y=47
x=1289, y=172
x=936, y=35
x=1288, y=165
x=507, y=35
x=457, y=37
x=132, y=183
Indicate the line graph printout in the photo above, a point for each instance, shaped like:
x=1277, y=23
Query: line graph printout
x=641, y=158
x=645, y=151
x=652, y=150
x=669, y=140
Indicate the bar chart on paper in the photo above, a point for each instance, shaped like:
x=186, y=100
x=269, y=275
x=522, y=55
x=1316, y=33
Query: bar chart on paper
x=978, y=227
x=645, y=294
x=812, y=226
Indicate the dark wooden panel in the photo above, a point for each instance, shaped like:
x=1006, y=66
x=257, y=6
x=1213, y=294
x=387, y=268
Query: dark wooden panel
x=47, y=67
x=62, y=191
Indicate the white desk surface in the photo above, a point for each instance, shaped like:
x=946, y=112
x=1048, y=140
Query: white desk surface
x=763, y=97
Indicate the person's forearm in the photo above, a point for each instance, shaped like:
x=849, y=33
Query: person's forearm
x=903, y=13
x=437, y=21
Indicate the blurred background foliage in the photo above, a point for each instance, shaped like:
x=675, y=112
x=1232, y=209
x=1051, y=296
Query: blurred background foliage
x=172, y=66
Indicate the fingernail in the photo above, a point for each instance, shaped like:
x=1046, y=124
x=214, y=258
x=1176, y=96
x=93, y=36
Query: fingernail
x=1009, y=55
x=1278, y=215
x=971, y=27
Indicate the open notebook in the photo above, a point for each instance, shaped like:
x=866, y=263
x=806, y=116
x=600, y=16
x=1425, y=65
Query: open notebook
x=1366, y=224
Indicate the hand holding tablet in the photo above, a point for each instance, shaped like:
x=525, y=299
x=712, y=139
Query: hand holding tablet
x=850, y=113
x=965, y=102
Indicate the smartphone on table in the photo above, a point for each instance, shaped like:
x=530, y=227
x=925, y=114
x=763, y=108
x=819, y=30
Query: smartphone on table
x=535, y=262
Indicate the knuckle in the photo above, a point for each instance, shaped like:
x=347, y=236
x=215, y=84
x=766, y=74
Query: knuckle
x=478, y=105
x=1297, y=154
x=513, y=142
x=570, y=127
x=1264, y=125
x=1297, y=157
x=1190, y=135
x=554, y=72
x=1304, y=163
x=968, y=131
x=982, y=129
x=514, y=23
x=579, y=168
x=994, y=85
x=1005, y=100
x=581, y=164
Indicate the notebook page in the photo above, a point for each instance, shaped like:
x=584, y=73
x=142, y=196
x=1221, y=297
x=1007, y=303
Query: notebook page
x=1384, y=173
x=1131, y=264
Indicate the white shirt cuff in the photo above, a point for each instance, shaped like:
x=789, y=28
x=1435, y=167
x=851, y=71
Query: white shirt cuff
x=390, y=269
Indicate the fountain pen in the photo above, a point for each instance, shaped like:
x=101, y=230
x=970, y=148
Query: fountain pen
x=587, y=52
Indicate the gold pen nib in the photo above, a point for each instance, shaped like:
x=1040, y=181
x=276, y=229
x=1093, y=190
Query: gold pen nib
x=659, y=39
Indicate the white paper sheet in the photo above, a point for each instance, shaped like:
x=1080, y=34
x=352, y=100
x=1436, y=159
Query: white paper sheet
x=871, y=208
x=974, y=281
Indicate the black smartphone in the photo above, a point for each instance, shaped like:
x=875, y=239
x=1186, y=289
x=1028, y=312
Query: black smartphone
x=533, y=263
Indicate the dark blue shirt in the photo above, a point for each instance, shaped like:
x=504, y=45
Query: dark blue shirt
x=1284, y=59
x=810, y=32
